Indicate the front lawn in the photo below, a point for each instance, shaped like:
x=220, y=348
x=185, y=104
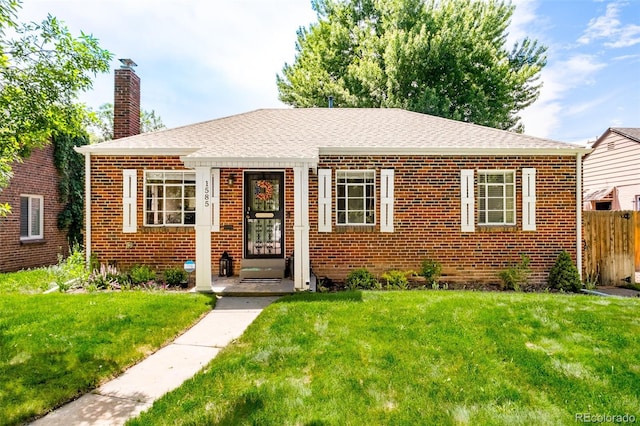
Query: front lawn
x=420, y=357
x=55, y=347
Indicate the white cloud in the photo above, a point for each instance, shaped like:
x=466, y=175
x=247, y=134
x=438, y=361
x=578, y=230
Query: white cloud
x=545, y=115
x=610, y=28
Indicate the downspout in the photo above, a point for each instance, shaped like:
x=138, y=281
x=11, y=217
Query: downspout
x=579, y=213
x=87, y=205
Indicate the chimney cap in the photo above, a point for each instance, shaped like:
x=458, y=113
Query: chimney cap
x=127, y=63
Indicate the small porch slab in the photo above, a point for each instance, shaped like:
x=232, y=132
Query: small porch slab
x=236, y=286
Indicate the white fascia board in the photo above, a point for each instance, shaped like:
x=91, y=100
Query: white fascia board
x=138, y=151
x=243, y=162
x=454, y=151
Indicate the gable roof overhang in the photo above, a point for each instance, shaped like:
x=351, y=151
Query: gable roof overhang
x=631, y=133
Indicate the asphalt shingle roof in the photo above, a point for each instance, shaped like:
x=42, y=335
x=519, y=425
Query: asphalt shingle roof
x=306, y=132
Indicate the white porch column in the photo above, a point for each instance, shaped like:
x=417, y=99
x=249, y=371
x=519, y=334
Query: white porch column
x=301, y=266
x=204, y=193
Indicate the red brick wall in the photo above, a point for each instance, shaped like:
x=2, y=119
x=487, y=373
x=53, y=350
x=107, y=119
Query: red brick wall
x=163, y=247
x=427, y=221
x=426, y=209
x=37, y=175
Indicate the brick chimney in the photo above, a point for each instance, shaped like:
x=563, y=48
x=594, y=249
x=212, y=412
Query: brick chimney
x=126, y=101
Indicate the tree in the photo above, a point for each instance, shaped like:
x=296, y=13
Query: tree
x=440, y=57
x=42, y=71
x=149, y=122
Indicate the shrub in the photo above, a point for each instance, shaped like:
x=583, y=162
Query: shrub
x=516, y=276
x=141, y=274
x=564, y=275
x=396, y=279
x=104, y=278
x=361, y=279
x=71, y=271
x=431, y=270
x=175, y=276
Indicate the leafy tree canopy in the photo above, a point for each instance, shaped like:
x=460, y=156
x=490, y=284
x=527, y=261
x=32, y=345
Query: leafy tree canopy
x=149, y=122
x=441, y=57
x=43, y=68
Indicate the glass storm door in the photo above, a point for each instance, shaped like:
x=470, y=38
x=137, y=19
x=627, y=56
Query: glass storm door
x=264, y=214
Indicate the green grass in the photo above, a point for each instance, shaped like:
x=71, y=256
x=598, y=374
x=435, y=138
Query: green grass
x=55, y=347
x=420, y=357
x=28, y=281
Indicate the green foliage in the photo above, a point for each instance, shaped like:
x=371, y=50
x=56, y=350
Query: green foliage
x=361, y=279
x=396, y=280
x=175, y=276
x=431, y=270
x=70, y=165
x=71, y=271
x=149, y=122
x=564, y=275
x=446, y=58
x=42, y=70
x=516, y=276
x=141, y=274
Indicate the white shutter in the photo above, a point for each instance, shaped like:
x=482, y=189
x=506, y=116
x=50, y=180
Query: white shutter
x=324, y=200
x=528, y=199
x=386, y=200
x=467, y=206
x=215, y=200
x=129, y=207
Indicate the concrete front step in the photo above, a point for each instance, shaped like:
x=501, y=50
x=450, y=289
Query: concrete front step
x=262, y=268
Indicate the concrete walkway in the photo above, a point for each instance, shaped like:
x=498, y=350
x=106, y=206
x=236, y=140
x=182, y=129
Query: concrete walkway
x=128, y=395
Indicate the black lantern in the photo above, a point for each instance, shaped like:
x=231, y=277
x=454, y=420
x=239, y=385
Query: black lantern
x=226, y=265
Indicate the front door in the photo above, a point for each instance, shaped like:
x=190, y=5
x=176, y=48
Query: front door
x=264, y=215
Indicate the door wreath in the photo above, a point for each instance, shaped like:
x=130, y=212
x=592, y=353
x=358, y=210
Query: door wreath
x=264, y=190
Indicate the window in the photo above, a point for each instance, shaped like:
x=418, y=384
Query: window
x=31, y=217
x=496, y=198
x=170, y=198
x=355, y=196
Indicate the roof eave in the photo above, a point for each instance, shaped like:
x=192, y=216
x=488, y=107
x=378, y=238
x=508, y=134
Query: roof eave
x=137, y=151
x=248, y=162
x=455, y=151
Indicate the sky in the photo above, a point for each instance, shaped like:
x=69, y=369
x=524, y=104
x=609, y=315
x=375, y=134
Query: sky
x=204, y=59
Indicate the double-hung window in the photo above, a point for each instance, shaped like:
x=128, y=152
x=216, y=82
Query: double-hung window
x=170, y=198
x=31, y=217
x=355, y=197
x=496, y=197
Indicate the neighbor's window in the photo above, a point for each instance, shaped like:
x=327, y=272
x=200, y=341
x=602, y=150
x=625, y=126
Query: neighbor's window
x=170, y=198
x=356, y=201
x=31, y=217
x=497, y=198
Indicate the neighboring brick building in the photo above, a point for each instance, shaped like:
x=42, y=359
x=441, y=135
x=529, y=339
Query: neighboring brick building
x=29, y=235
x=338, y=189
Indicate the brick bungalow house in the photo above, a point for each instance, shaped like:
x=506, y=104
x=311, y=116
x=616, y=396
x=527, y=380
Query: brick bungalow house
x=335, y=189
x=29, y=234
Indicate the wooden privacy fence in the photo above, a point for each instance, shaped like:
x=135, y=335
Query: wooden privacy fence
x=611, y=246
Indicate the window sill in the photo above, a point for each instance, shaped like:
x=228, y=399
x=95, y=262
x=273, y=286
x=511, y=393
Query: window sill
x=32, y=241
x=497, y=228
x=343, y=229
